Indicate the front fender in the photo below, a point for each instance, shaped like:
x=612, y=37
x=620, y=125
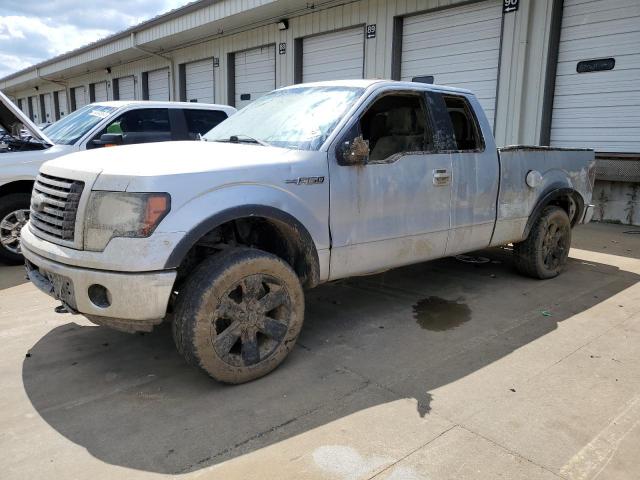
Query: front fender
x=308, y=214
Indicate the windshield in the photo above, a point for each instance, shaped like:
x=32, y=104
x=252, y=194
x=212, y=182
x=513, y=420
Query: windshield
x=298, y=118
x=69, y=130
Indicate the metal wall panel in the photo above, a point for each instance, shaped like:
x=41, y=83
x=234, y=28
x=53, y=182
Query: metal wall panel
x=126, y=88
x=255, y=74
x=333, y=56
x=458, y=46
x=159, y=84
x=599, y=109
x=100, y=92
x=80, y=96
x=199, y=81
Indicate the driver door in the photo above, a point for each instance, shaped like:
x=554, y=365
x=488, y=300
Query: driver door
x=393, y=209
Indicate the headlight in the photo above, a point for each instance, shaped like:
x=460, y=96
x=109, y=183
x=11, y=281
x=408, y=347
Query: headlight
x=122, y=214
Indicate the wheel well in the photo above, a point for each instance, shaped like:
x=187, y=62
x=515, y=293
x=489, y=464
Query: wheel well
x=273, y=236
x=570, y=202
x=20, y=186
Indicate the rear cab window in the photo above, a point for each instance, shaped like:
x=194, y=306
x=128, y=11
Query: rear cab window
x=464, y=124
x=200, y=122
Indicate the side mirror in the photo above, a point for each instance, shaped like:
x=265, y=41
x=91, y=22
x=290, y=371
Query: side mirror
x=354, y=152
x=109, y=140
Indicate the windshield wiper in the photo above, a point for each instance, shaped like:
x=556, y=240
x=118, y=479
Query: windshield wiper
x=244, y=139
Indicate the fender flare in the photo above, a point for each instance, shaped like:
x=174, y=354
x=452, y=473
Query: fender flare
x=306, y=243
x=554, y=193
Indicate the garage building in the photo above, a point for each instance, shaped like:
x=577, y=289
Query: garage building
x=548, y=72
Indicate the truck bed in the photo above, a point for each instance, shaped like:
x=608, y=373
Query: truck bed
x=558, y=168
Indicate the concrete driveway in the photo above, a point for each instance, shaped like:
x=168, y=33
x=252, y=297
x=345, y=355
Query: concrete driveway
x=444, y=370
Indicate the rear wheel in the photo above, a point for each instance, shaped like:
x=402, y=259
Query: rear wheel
x=14, y=214
x=239, y=315
x=545, y=252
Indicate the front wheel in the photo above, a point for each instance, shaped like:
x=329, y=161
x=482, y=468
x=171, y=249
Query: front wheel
x=239, y=315
x=14, y=214
x=545, y=252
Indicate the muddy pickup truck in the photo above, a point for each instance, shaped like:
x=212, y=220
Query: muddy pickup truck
x=308, y=184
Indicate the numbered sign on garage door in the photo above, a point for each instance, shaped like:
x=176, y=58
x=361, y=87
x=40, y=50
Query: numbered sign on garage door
x=126, y=88
x=100, y=92
x=158, y=83
x=333, y=56
x=80, y=97
x=456, y=46
x=199, y=81
x=255, y=74
x=597, y=95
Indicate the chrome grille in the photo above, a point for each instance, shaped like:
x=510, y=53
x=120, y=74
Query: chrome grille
x=54, y=205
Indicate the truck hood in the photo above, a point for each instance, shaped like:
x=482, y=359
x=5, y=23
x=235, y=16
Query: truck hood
x=11, y=118
x=117, y=166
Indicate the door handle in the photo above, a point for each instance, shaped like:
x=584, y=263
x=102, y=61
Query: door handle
x=441, y=177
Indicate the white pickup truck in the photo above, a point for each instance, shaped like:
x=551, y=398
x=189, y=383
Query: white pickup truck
x=24, y=146
x=308, y=184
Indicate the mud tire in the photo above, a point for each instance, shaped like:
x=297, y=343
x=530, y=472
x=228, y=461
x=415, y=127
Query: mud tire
x=545, y=252
x=229, y=297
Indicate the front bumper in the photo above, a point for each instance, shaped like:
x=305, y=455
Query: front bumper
x=132, y=297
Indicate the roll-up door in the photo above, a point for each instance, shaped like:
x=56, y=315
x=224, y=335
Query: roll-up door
x=457, y=46
x=158, y=85
x=600, y=107
x=49, y=116
x=62, y=103
x=80, y=97
x=255, y=74
x=126, y=88
x=199, y=81
x=333, y=56
x=100, y=92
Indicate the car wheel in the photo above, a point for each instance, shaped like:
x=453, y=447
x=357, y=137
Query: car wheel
x=545, y=252
x=14, y=214
x=239, y=315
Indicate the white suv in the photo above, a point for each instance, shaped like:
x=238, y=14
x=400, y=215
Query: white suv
x=93, y=126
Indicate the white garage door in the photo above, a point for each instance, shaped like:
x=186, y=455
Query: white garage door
x=158, y=83
x=458, y=46
x=23, y=106
x=100, y=92
x=255, y=74
x=199, y=81
x=48, y=108
x=62, y=103
x=34, y=109
x=80, y=97
x=333, y=56
x=126, y=88
x=598, y=109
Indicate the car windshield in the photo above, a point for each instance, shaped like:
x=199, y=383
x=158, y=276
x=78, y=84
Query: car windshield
x=69, y=130
x=297, y=118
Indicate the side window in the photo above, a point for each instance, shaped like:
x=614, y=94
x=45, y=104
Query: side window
x=396, y=124
x=465, y=126
x=141, y=126
x=200, y=122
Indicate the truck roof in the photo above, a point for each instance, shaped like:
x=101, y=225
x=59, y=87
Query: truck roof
x=153, y=103
x=366, y=83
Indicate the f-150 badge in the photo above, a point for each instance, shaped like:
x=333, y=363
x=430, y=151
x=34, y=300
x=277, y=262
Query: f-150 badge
x=306, y=181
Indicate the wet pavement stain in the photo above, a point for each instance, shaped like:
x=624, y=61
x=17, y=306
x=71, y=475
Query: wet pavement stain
x=439, y=315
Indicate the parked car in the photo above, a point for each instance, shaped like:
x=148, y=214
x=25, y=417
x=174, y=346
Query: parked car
x=311, y=183
x=28, y=146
